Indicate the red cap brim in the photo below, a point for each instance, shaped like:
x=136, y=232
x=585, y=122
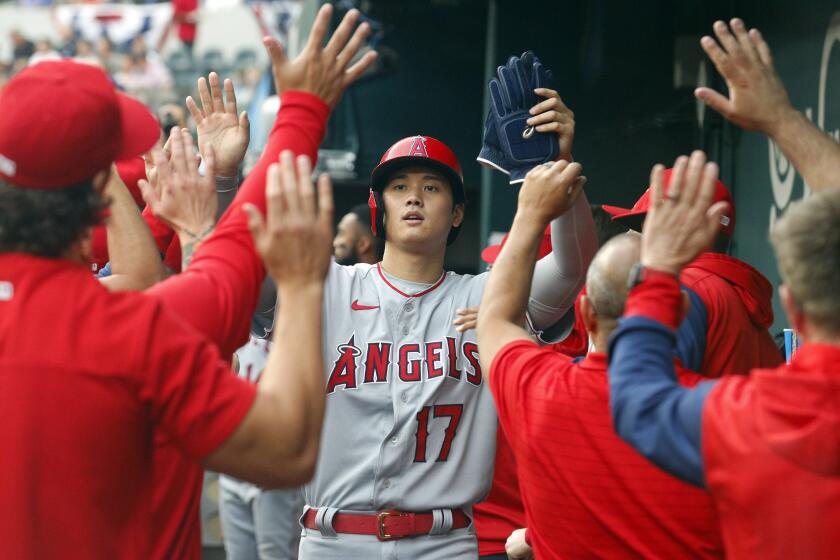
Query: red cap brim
x=139, y=128
x=614, y=211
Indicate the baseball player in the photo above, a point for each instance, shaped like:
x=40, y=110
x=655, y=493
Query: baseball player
x=354, y=240
x=410, y=426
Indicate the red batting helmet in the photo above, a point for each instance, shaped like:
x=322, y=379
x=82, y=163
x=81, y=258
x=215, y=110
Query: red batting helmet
x=414, y=150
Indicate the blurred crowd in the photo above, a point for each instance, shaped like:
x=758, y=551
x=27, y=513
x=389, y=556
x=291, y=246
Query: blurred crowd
x=135, y=66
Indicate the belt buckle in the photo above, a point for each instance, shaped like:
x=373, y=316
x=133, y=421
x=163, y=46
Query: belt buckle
x=380, y=525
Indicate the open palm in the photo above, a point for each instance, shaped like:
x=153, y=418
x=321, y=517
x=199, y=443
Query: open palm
x=219, y=126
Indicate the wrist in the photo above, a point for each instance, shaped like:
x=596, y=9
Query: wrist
x=661, y=267
x=531, y=221
x=783, y=119
x=299, y=290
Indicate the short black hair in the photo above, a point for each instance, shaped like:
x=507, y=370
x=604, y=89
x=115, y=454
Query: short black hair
x=46, y=223
x=362, y=213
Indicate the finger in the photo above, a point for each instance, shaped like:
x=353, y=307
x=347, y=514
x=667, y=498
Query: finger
x=740, y=31
x=256, y=223
x=547, y=117
x=149, y=194
x=675, y=185
x=245, y=123
x=706, y=190
x=230, y=97
x=291, y=194
x=353, y=73
x=657, y=190
x=275, y=51
x=714, y=100
x=190, y=155
x=204, y=95
x=342, y=33
x=761, y=47
x=306, y=188
x=274, y=199
x=319, y=28
x=693, y=178
x=178, y=159
x=356, y=42
x=547, y=92
x=548, y=104
x=326, y=205
x=719, y=58
x=550, y=127
x=196, y=113
x=216, y=93
x=726, y=39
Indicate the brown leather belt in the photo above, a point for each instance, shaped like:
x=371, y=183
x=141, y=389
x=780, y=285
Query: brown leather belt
x=387, y=525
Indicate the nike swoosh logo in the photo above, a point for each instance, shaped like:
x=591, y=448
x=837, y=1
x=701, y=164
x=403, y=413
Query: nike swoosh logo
x=356, y=306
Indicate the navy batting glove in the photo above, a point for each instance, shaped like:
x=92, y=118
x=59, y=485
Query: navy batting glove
x=512, y=96
x=491, y=154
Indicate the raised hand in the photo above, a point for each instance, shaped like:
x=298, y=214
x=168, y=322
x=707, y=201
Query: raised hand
x=757, y=97
x=295, y=237
x=324, y=71
x=219, y=126
x=549, y=190
x=182, y=198
x=681, y=225
x=552, y=115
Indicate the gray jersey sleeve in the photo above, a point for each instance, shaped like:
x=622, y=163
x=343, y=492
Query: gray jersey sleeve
x=559, y=277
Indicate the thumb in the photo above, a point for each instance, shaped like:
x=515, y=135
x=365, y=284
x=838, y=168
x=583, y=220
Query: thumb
x=149, y=195
x=275, y=50
x=713, y=99
x=244, y=123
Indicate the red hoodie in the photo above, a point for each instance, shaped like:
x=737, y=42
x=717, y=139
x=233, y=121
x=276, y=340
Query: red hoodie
x=771, y=451
x=738, y=301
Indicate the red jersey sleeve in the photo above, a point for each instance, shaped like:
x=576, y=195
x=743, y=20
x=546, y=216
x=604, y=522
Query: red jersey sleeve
x=217, y=293
x=193, y=395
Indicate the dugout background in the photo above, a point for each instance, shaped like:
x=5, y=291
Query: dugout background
x=627, y=70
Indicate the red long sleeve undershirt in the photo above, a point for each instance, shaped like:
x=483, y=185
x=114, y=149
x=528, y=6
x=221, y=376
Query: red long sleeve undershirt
x=218, y=292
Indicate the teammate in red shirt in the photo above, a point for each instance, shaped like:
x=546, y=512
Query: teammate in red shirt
x=765, y=446
x=586, y=493
x=86, y=380
x=731, y=309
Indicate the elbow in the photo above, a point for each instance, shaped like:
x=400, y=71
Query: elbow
x=292, y=473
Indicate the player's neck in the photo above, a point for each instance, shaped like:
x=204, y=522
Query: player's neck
x=414, y=267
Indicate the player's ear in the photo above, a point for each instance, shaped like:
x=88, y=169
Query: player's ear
x=457, y=215
x=587, y=314
x=363, y=243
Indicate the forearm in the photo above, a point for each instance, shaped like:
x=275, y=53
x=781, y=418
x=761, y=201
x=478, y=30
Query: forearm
x=813, y=153
x=505, y=298
x=294, y=373
x=559, y=277
x=651, y=411
x=135, y=260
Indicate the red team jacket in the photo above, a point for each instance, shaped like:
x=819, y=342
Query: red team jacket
x=587, y=494
x=771, y=451
x=738, y=303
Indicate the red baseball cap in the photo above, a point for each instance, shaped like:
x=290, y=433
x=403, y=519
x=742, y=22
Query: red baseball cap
x=62, y=122
x=491, y=252
x=634, y=217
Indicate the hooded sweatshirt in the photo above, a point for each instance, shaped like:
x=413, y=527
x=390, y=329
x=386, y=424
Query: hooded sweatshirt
x=766, y=446
x=730, y=312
